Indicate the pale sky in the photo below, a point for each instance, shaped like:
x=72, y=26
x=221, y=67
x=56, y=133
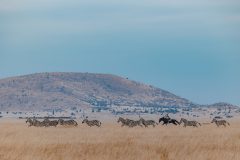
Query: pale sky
x=190, y=48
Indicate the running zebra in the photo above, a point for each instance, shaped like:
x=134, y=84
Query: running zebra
x=38, y=123
x=30, y=121
x=92, y=122
x=133, y=123
x=220, y=122
x=67, y=122
x=48, y=123
x=125, y=122
x=147, y=123
x=189, y=123
x=34, y=122
x=129, y=122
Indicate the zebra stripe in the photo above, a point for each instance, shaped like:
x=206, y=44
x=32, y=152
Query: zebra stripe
x=92, y=122
x=147, y=123
x=67, y=122
x=220, y=122
x=189, y=123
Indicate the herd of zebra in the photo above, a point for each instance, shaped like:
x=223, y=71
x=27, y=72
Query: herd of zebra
x=124, y=121
x=48, y=123
x=166, y=120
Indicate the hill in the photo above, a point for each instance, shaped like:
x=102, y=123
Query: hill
x=66, y=90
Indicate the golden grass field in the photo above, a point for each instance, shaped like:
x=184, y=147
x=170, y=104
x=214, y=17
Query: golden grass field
x=111, y=142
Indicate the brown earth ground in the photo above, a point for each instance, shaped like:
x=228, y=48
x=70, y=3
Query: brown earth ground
x=112, y=142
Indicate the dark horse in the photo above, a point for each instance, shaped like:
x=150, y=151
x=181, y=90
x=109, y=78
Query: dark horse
x=166, y=121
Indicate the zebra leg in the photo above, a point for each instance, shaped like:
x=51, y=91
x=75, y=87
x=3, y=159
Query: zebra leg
x=99, y=124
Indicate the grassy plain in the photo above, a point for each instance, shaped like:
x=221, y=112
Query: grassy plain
x=112, y=142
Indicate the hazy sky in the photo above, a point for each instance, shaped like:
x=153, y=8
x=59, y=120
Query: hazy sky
x=188, y=47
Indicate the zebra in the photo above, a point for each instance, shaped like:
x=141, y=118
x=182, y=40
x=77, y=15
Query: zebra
x=45, y=123
x=37, y=123
x=125, y=122
x=129, y=122
x=67, y=123
x=189, y=123
x=147, y=123
x=92, y=122
x=34, y=122
x=220, y=122
x=133, y=123
x=48, y=123
x=30, y=121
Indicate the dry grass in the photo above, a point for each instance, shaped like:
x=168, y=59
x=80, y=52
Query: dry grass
x=111, y=142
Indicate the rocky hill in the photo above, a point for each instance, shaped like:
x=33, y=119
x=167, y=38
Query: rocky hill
x=66, y=90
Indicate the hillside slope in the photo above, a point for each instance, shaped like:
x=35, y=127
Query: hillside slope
x=64, y=90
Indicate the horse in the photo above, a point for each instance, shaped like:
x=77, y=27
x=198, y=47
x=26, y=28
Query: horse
x=168, y=120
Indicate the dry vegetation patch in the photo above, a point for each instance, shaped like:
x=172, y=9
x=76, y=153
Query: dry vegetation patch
x=19, y=142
